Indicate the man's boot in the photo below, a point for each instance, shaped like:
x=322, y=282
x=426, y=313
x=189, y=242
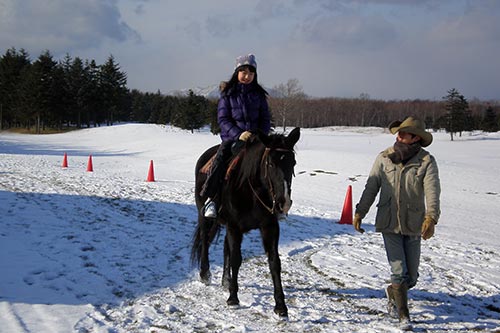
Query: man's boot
x=400, y=292
x=392, y=309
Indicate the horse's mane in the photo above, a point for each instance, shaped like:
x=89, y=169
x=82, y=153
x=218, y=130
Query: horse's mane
x=253, y=152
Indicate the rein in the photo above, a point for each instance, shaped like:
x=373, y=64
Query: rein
x=265, y=162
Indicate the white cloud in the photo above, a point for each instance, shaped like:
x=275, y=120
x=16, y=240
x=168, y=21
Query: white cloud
x=61, y=25
x=477, y=25
x=386, y=48
x=348, y=33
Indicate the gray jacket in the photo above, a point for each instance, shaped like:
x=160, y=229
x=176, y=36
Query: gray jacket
x=408, y=193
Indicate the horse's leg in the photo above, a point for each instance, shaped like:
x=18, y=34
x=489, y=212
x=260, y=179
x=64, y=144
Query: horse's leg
x=270, y=237
x=226, y=275
x=233, y=239
x=205, y=275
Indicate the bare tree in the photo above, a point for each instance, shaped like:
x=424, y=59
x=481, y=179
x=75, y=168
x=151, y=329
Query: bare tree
x=364, y=102
x=290, y=96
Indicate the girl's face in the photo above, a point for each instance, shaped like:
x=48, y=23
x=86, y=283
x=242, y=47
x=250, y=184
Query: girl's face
x=245, y=76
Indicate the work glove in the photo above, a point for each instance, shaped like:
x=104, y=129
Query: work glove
x=428, y=227
x=245, y=136
x=356, y=222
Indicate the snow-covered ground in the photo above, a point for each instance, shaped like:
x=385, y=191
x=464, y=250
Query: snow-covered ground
x=106, y=251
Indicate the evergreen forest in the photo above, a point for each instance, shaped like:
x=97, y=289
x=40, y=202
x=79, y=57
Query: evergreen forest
x=47, y=95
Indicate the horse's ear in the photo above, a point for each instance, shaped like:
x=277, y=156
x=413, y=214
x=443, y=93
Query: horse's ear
x=293, y=137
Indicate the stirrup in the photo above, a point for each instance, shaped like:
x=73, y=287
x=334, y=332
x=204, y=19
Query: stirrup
x=210, y=210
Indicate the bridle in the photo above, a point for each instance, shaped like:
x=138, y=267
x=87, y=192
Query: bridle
x=264, y=163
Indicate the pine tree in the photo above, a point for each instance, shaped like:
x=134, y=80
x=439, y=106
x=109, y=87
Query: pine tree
x=38, y=92
x=457, y=113
x=75, y=83
x=137, y=110
x=490, y=120
x=12, y=65
x=44, y=95
x=192, y=112
x=93, y=93
x=58, y=112
x=114, y=88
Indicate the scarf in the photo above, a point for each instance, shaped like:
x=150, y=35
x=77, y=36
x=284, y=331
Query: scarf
x=403, y=152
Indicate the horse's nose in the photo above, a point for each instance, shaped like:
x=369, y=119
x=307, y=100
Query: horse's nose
x=286, y=204
x=286, y=207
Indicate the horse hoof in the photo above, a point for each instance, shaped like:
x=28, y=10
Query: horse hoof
x=233, y=302
x=282, y=313
x=206, y=278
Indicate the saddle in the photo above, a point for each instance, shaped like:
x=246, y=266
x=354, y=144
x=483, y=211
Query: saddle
x=232, y=165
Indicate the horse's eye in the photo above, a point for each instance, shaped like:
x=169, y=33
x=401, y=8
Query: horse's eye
x=282, y=157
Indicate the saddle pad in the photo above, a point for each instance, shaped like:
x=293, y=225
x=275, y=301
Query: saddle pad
x=232, y=164
x=206, y=168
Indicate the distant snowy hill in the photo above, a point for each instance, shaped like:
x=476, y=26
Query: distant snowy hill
x=212, y=91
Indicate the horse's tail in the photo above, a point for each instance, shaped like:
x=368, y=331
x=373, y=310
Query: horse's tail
x=211, y=229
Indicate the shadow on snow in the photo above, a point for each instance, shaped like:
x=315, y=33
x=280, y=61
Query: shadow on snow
x=17, y=148
x=73, y=249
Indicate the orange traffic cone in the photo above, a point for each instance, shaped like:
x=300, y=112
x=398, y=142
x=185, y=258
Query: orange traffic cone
x=346, y=217
x=90, y=168
x=151, y=173
x=65, y=161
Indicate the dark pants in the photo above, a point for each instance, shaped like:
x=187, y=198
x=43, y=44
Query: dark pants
x=218, y=169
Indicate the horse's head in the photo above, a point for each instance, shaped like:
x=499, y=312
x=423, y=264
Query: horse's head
x=277, y=168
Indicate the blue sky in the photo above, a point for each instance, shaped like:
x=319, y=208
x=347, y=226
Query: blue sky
x=388, y=49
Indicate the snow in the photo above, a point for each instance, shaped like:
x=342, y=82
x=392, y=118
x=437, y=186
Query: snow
x=106, y=251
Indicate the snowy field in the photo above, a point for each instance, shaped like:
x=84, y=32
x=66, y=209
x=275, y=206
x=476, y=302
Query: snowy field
x=106, y=251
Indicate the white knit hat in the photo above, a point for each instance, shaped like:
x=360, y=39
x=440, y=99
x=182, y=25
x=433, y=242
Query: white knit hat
x=245, y=60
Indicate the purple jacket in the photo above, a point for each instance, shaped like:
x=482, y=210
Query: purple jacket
x=243, y=108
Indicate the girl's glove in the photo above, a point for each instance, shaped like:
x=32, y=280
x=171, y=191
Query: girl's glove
x=245, y=136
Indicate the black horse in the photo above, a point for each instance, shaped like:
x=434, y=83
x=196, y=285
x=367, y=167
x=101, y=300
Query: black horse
x=255, y=194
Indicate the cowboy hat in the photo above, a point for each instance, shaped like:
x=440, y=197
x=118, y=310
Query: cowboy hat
x=414, y=126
